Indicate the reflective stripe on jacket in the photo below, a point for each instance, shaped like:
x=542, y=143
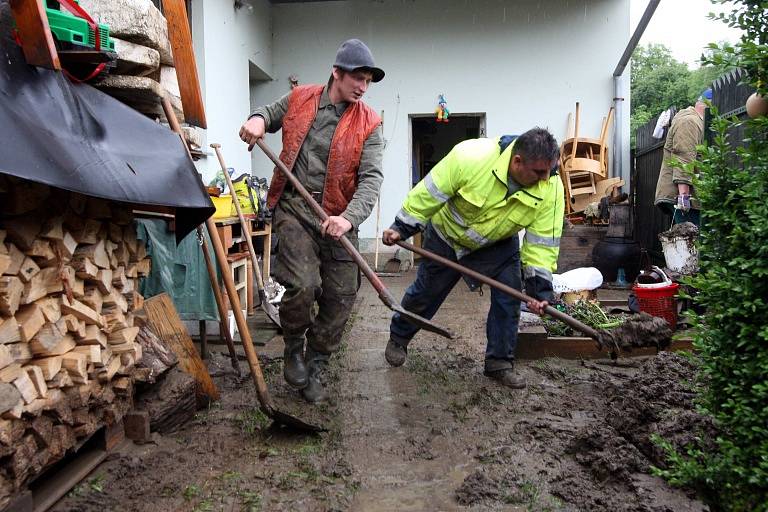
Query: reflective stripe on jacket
x=357, y=122
x=465, y=196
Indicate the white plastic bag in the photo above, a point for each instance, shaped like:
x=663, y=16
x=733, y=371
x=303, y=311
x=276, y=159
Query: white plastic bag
x=578, y=279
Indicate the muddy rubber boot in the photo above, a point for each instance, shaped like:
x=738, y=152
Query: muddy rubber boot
x=395, y=354
x=294, y=368
x=315, y=391
x=506, y=377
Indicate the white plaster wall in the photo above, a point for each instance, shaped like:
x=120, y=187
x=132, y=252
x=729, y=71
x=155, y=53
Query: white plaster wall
x=523, y=63
x=226, y=40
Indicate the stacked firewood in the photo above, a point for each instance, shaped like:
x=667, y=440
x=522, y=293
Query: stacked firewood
x=69, y=265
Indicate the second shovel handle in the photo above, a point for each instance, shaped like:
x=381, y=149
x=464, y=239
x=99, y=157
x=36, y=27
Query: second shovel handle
x=555, y=313
x=343, y=240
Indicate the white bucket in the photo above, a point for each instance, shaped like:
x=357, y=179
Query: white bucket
x=681, y=254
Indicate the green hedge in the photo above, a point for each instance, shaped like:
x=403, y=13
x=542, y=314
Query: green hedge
x=732, y=287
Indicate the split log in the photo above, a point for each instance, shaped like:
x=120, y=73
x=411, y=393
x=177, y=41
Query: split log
x=123, y=336
x=5, y=259
x=66, y=246
x=10, y=372
x=26, y=387
x=84, y=268
x=5, y=356
x=75, y=326
x=35, y=374
x=30, y=319
x=60, y=380
x=114, y=320
x=104, y=281
x=9, y=397
x=118, y=278
x=76, y=365
x=46, y=338
x=116, y=299
x=50, y=366
x=28, y=270
x=92, y=352
x=110, y=369
x=81, y=311
x=94, y=252
x=43, y=253
x=86, y=231
x=53, y=228
x=93, y=299
x=9, y=330
x=61, y=345
x=11, y=290
x=17, y=258
x=47, y=281
x=93, y=336
x=50, y=308
x=20, y=352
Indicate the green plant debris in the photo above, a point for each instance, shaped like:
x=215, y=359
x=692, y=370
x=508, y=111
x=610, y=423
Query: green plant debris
x=586, y=311
x=191, y=491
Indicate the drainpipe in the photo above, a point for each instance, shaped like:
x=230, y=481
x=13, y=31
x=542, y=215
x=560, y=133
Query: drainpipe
x=618, y=99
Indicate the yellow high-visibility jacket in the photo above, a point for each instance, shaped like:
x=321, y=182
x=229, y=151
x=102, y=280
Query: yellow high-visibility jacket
x=465, y=197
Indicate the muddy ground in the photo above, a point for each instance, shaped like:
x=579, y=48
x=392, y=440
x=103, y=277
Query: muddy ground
x=432, y=435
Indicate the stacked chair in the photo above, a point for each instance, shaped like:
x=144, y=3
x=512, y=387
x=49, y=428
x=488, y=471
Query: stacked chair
x=583, y=164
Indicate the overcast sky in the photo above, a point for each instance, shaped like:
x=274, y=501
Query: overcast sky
x=683, y=27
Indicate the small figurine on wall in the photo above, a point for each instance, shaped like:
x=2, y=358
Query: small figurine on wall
x=442, y=109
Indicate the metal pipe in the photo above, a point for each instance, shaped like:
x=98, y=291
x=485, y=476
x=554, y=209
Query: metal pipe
x=618, y=98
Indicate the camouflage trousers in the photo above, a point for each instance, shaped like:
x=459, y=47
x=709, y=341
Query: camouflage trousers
x=321, y=281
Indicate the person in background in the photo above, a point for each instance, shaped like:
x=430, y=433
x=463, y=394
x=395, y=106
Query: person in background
x=471, y=206
x=675, y=193
x=333, y=144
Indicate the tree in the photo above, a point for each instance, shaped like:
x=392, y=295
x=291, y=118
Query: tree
x=659, y=82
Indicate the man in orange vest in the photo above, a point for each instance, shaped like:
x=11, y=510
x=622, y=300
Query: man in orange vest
x=333, y=144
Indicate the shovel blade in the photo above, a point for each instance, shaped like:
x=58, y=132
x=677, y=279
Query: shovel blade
x=269, y=309
x=294, y=423
x=422, y=322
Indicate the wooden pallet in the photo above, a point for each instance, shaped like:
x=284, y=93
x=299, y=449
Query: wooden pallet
x=53, y=484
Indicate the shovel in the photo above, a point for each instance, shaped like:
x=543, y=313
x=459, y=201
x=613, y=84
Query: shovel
x=268, y=307
x=384, y=294
x=602, y=337
x=262, y=392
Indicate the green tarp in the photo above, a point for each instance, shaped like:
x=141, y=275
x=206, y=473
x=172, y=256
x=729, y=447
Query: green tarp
x=179, y=270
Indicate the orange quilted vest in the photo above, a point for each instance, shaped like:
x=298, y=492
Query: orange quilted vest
x=357, y=122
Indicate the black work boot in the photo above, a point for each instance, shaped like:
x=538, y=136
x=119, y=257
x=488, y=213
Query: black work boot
x=294, y=369
x=395, y=353
x=506, y=377
x=317, y=364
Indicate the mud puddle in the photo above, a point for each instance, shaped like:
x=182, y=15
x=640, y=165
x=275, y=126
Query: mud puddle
x=434, y=434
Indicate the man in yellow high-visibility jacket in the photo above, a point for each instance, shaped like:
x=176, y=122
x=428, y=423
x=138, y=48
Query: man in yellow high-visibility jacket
x=471, y=206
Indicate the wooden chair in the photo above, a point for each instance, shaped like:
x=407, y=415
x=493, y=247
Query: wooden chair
x=584, y=161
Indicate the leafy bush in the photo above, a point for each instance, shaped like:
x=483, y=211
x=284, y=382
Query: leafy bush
x=732, y=334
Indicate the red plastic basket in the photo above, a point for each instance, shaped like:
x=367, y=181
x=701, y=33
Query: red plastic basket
x=659, y=302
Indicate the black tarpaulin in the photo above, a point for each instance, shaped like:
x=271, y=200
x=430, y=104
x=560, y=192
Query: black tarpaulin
x=75, y=137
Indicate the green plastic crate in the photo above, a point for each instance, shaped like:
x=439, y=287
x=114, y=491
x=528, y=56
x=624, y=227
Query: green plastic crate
x=71, y=30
